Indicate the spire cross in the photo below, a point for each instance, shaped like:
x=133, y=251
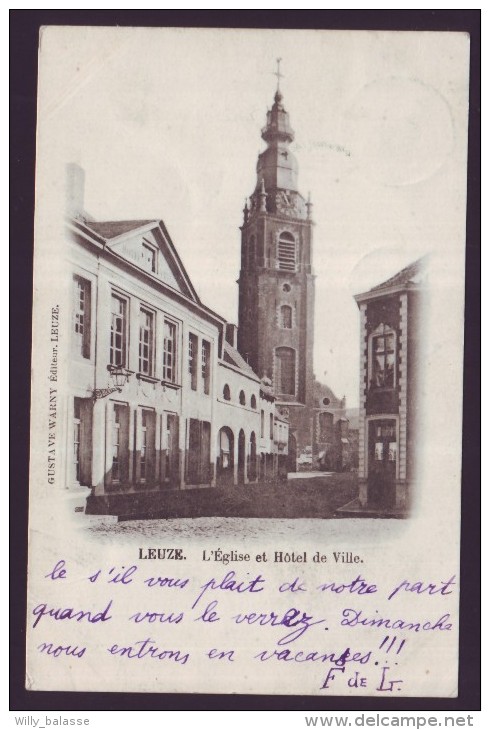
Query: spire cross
x=278, y=72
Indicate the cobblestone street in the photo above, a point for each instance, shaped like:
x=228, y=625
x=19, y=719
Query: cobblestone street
x=324, y=489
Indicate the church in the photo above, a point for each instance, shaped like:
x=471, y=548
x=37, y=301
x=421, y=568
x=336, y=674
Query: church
x=277, y=301
x=163, y=393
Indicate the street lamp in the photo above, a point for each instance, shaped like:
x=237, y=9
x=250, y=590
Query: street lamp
x=119, y=375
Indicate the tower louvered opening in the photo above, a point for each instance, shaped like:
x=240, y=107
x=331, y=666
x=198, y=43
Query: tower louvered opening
x=286, y=252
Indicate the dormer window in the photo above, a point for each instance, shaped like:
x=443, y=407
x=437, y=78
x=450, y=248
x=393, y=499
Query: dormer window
x=149, y=257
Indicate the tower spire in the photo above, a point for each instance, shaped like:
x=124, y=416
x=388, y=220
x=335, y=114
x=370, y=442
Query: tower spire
x=278, y=74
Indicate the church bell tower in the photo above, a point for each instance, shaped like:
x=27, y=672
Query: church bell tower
x=276, y=283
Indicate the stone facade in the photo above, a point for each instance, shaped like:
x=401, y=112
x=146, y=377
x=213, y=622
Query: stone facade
x=148, y=368
x=391, y=335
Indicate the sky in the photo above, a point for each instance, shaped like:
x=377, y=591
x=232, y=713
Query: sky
x=166, y=124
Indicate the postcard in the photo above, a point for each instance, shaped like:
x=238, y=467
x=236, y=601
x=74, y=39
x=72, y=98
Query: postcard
x=247, y=358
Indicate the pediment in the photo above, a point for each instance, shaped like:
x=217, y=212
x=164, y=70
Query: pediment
x=150, y=248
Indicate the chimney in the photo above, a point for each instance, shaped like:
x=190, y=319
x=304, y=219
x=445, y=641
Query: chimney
x=231, y=334
x=75, y=188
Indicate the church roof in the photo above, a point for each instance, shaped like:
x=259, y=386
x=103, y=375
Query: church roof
x=112, y=229
x=321, y=390
x=233, y=357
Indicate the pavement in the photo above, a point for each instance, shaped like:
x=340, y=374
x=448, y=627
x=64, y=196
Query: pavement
x=308, y=474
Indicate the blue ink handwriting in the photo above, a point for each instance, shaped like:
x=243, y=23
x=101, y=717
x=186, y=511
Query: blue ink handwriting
x=358, y=585
x=166, y=582
x=146, y=650
x=354, y=617
x=209, y=615
x=56, y=651
x=58, y=571
x=228, y=583
x=60, y=614
x=292, y=618
x=420, y=587
x=162, y=618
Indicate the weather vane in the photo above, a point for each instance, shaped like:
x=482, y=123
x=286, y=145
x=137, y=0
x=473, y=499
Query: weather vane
x=278, y=72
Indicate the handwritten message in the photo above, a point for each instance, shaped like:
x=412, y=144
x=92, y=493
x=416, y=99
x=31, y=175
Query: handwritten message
x=352, y=634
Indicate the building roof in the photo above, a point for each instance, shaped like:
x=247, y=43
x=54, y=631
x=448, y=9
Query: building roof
x=112, y=229
x=321, y=390
x=411, y=274
x=352, y=415
x=411, y=277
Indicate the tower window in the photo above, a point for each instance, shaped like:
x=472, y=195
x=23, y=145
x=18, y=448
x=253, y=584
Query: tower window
x=251, y=252
x=285, y=371
x=241, y=398
x=286, y=252
x=226, y=392
x=286, y=317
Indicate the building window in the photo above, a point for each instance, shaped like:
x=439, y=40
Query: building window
x=285, y=371
x=325, y=423
x=116, y=445
x=192, y=358
x=143, y=447
x=286, y=252
x=226, y=392
x=253, y=402
x=286, y=316
x=82, y=441
x=205, y=365
x=241, y=398
x=81, y=316
x=199, y=452
x=262, y=424
x=146, y=453
x=118, y=331
x=383, y=358
x=146, y=342
x=119, y=436
x=169, y=351
x=226, y=447
x=271, y=425
x=149, y=257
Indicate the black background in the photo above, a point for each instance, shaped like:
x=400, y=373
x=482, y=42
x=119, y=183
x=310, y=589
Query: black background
x=24, y=30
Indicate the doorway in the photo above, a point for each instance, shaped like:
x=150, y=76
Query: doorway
x=241, y=457
x=383, y=454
